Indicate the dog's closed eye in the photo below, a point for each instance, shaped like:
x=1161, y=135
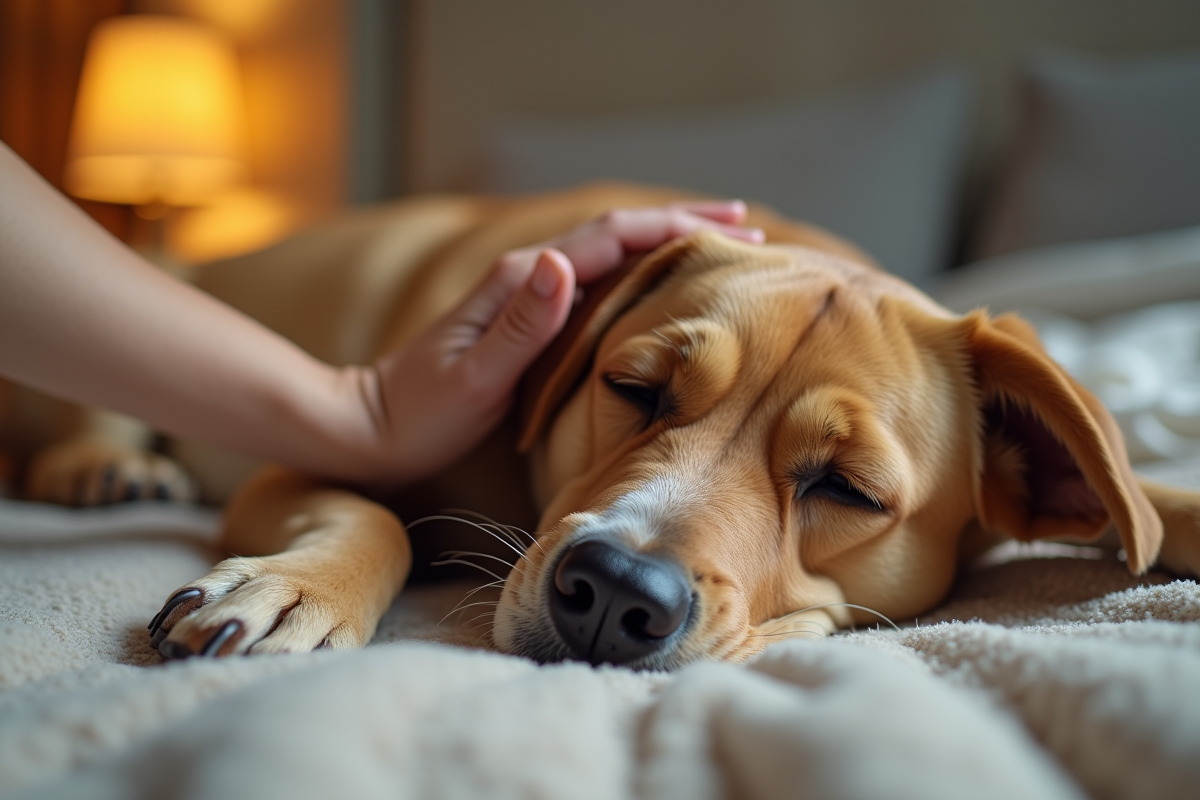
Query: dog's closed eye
x=653, y=402
x=832, y=485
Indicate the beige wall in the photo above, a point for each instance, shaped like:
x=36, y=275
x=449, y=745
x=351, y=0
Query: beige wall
x=473, y=62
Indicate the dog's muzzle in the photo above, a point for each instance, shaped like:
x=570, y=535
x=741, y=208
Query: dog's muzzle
x=611, y=604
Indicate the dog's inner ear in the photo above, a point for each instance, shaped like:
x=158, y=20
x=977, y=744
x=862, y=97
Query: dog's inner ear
x=1035, y=472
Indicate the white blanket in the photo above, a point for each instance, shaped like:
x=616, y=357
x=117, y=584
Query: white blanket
x=1042, y=677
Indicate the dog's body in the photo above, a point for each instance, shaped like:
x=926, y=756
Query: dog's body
x=730, y=444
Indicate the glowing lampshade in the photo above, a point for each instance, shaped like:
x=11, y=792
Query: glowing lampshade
x=159, y=114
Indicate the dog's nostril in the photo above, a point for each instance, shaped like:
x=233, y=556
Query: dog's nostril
x=609, y=603
x=636, y=623
x=579, y=597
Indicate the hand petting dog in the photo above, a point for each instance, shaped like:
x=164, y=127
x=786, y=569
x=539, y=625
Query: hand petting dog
x=436, y=397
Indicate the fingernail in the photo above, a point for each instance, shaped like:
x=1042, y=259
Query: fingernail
x=546, y=278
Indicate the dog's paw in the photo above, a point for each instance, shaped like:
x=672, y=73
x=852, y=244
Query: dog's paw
x=91, y=472
x=255, y=605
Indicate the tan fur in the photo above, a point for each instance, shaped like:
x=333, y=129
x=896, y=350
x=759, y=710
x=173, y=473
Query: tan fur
x=781, y=363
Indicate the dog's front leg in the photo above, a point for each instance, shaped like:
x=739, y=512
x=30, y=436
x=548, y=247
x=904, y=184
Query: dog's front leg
x=1179, y=510
x=315, y=566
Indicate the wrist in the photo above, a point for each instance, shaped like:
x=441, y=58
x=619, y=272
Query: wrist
x=335, y=424
x=358, y=428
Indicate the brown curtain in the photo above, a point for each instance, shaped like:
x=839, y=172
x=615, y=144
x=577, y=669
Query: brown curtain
x=41, y=54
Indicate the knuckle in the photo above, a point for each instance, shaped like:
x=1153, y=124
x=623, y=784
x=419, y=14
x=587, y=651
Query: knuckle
x=521, y=325
x=615, y=219
x=679, y=221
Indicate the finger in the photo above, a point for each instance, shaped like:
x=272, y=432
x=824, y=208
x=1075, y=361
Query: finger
x=525, y=326
x=732, y=212
x=485, y=303
x=599, y=247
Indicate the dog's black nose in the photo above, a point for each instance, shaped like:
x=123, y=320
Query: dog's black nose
x=610, y=604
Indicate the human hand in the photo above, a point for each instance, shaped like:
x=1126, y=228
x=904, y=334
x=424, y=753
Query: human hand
x=439, y=395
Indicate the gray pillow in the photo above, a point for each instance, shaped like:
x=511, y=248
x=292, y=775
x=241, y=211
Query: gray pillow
x=880, y=166
x=1085, y=280
x=1104, y=149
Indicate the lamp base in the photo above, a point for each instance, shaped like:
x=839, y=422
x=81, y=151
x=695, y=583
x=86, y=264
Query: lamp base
x=150, y=236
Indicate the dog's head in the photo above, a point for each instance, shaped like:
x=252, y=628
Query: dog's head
x=736, y=440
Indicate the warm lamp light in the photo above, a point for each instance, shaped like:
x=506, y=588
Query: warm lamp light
x=159, y=114
x=239, y=221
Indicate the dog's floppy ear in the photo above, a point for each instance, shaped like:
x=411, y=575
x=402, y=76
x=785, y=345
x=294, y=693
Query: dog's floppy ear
x=556, y=373
x=1054, y=463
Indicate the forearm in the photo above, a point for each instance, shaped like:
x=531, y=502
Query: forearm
x=83, y=317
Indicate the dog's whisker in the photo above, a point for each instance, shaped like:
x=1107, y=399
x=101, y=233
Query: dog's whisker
x=459, y=605
x=486, y=529
x=460, y=513
x=464, y=608
x=481, y=588
x=845, y=605
x=496, y=529
x=777, y=629
x=532, y=539
x=466, y=564
x=479, y=620
x=511, y=529
x=820, y=634
x=501, y=528
x=482, y=555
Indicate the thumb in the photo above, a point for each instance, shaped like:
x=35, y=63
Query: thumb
x=530, y=319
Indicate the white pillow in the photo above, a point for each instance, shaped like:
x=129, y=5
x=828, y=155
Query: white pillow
x=1085, y=280
x=1104, y=149
x=880, y=166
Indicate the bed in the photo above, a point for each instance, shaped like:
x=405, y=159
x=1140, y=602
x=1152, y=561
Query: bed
x=1049, y=672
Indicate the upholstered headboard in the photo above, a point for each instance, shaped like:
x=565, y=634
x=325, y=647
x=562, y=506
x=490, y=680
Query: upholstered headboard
x=474, y=63
x=527, y=94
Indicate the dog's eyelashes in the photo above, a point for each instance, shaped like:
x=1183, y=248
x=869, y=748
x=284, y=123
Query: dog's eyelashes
x=644, y=397
x=837, y=487
x=650, y=400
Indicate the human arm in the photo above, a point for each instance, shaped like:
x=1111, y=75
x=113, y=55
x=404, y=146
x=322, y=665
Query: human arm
x=84, y=317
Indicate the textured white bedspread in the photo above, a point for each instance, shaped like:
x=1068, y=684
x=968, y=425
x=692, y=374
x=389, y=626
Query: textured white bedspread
x=1042, y=677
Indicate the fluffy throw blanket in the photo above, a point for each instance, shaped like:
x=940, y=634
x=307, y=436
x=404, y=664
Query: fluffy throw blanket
x=1050, y=673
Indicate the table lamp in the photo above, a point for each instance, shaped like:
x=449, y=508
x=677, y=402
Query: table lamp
x=158, y=117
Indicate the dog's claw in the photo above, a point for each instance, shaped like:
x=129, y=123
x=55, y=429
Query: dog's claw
x=156, y=639
x=173, y=651
x=174, y=602
x=227, y=631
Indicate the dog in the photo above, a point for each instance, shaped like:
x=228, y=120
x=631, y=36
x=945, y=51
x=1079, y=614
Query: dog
x=729, y=444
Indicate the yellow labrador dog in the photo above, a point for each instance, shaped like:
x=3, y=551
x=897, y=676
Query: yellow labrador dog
x=730, y=443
